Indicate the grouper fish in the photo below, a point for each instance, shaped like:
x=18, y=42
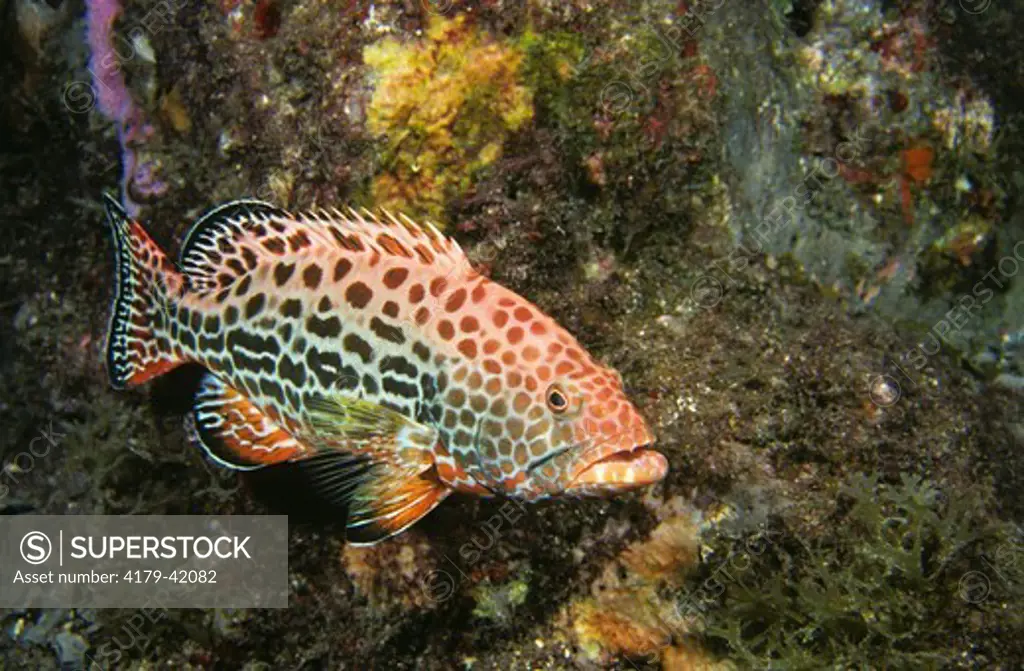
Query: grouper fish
x=366, y=347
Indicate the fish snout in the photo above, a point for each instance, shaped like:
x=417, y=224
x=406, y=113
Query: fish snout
x=625, y=462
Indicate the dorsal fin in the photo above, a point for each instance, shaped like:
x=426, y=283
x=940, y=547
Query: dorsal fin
x=214, y=254
x=389, y=235
x=215, y=234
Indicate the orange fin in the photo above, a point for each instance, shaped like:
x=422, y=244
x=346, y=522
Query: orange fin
x=144, y=279
x=388, y=504
x=381, y=465
x=234, y=432
x=382, y=499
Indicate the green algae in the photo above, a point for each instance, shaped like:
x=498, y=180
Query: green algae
x=499, y=602
x=891, y=587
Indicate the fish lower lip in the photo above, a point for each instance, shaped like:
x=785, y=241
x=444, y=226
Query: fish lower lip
x=637, y=467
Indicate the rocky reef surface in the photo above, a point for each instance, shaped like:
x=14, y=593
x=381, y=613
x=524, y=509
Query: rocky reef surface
x=792, y=226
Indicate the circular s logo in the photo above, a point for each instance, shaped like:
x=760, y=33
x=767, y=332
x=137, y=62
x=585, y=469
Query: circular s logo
x=36, y=547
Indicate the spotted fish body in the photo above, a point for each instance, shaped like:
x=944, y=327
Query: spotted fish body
x=368, y=349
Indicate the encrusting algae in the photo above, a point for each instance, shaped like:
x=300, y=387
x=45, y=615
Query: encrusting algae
x=629, y=613
x=446, y=105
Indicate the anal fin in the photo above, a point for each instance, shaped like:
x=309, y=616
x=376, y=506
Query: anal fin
x=234, y=432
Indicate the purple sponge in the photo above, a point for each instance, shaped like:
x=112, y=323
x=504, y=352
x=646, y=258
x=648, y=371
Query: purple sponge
x=115, y=101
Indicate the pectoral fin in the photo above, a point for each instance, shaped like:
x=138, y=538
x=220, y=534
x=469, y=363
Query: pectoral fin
x=390, y=482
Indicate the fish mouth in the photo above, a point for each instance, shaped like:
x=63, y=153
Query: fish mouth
x=639, y=466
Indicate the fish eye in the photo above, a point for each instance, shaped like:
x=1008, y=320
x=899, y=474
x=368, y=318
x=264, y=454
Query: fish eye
x=557, y=401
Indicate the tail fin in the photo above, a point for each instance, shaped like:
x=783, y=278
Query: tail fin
x=139, y=346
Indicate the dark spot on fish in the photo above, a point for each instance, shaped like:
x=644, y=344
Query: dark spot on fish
x=455, y=301
x=465, y=439
x=348, y=378
x=196, y=322
x=370, y=385
x=391, y=309
x=341, y=269
x=387, y=331
x=398, y=364
x=326, y=366
x=211, y=323
x=400, y=388
x=394, y=277
x=416, y=293
x=456, y=398
x=292, y=307
x=222, y=296
x=311, y=276
x=212, y=344
x=272, y=389
x=358, y=294
x=437, y=286
x=231, y=315
x=246, y=385
x=282, y=272
x=325, y=304
x=285, y=331
x=351, y=242
x=254, y=305
x=187, y=340
x=250, y=257
x=298, y=241
x=445, y=329
x=427, y=389
x=356, y=345
x=236, y=265
x=420, y=350
x=294, y=400
x=240, y=340
x=274, y=245
x=467, y=346
x=289, y=370
x=243, y=286
x=325, y=328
